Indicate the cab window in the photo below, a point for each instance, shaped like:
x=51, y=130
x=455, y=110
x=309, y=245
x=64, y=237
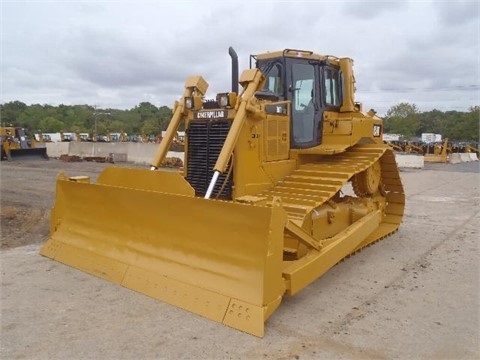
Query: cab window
x=274, y=82
x=303, y=104
x=332, y=86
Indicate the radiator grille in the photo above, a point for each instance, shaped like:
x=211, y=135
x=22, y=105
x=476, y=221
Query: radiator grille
x=205, y=141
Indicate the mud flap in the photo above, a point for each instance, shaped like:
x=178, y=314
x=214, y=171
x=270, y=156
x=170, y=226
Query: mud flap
x=218, y=259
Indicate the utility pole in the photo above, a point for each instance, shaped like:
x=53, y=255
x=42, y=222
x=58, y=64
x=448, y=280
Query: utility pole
x=95, y=134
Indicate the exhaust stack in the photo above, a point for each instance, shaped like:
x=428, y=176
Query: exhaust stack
x=234, y=57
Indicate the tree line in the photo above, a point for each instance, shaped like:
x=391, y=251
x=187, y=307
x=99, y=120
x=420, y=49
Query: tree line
x=144, y=118
x=404, y=119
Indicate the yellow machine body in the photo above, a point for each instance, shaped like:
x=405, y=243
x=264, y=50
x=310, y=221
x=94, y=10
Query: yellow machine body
x=261, y=209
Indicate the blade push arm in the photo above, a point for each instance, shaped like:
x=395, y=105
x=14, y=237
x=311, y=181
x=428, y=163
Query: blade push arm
x=251, y=80
x=193, y=84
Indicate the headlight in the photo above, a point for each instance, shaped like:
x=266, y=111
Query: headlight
x=189, y=102
x=223, y=100
x=226, y=99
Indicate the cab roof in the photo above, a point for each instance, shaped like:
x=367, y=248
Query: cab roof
x=294, y=53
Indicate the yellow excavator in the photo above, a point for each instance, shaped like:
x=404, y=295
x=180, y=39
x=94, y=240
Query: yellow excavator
x=281, y=181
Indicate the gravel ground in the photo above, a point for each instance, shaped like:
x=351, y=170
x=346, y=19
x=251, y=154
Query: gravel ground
x=412, y=295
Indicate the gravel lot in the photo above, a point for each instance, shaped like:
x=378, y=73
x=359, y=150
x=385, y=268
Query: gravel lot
x=412, y=295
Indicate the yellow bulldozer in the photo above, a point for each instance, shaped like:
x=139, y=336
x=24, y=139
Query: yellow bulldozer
x=15, y=144
x=437, y=152
x=281, y=181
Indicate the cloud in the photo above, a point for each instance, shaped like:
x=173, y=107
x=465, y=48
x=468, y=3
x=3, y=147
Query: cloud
x=457, y=13
x=118, y=54
x=367, y=10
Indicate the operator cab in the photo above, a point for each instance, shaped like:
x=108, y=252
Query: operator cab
x=312, y=83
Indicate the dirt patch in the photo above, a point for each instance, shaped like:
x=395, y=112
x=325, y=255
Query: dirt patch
x=27, y=195
x=23, y=225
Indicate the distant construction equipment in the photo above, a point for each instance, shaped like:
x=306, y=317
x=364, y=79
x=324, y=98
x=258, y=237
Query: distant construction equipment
x=438, y=152
x=15, y=143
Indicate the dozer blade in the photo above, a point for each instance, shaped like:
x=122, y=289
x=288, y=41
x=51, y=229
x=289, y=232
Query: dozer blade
x=218, y=259
x=30, y=153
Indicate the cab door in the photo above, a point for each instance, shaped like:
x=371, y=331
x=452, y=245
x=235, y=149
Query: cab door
x=303, y=92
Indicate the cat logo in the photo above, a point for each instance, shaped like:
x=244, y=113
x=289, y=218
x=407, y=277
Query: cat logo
x=215, y=114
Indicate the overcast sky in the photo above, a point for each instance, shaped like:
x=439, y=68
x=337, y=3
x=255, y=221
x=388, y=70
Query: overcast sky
x=120, y=53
